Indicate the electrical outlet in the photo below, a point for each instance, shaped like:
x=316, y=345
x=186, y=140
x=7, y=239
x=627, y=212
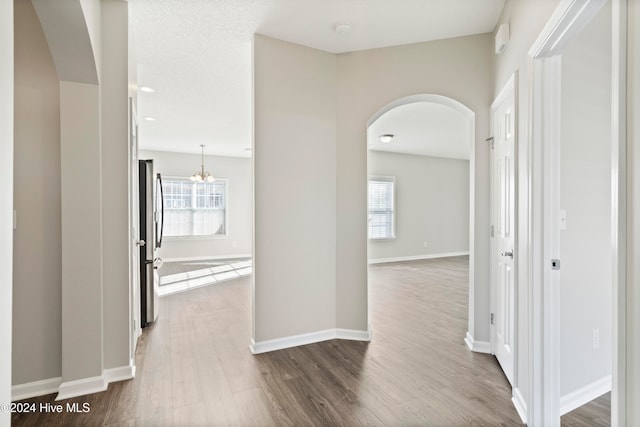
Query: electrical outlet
x=596, y=339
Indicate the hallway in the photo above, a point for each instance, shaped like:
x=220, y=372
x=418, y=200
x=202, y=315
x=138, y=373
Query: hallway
x=197, y=369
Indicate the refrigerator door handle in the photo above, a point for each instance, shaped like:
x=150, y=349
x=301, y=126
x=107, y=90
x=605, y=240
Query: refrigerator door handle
x=161, y=201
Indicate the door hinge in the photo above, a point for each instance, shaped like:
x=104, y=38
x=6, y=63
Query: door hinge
x=492, y=318
x=491, y=140
x=492, y=231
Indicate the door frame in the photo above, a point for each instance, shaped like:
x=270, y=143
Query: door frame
x=509, y=86
x=134, y=233
x=544, y=130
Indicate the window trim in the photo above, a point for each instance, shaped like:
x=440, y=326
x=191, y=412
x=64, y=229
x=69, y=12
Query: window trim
x=200, y=236
x=391, y=179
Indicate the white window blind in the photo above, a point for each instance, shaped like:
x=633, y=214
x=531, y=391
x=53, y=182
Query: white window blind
x=381, y=208
x=194, y=209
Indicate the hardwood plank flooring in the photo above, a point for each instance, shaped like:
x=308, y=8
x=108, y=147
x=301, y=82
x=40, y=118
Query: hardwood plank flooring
x=596, y=413
x=194, y=367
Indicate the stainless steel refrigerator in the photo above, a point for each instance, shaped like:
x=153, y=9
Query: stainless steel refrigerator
x=151, y=225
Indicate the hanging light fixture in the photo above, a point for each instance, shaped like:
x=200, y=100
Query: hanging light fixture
x=202, y=176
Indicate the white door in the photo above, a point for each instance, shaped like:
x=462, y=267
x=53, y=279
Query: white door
x=503, y=227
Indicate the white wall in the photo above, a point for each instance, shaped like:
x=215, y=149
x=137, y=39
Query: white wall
x=432, y=205
x=633, y=259
x=114, y=83
x=237, y=171
x=6, y=209
x=526, y=19
x=81, y=231
x=37, y=275
x=92, y=12
x=295, y=189
x=71, y=38
x=458, y=68
x=295, y=117
x=94, y=188
x=585, y=195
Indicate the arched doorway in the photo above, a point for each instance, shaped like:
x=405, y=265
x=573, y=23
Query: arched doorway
x=438, y=127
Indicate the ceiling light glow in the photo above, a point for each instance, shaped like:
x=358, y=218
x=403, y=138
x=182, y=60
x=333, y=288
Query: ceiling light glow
x=386, y=138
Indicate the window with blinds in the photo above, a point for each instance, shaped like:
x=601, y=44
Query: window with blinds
x=381, y=215
x=194, y=209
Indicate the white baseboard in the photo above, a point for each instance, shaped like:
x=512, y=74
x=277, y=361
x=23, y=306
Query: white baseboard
x=84, y=386
x=121, y=373
x=206, y=258
x=520, y=404
x=477, y=346
x=353, y=334
x=81, y=387
x=35, y=389
x=310, y=338
x=583, y=395
x=417, y=257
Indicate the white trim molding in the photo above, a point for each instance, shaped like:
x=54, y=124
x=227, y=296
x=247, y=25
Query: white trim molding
x=520, y=404
x=417, y=257
x=622, y=228
x=310, y=338
x=121, y=373
x=477, y=346
x=84, y=386
x=81, y=387
x=35, y=388
x=584, y=395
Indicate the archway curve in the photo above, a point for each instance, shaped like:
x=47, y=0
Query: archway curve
x=431, y=98
x=483, y=347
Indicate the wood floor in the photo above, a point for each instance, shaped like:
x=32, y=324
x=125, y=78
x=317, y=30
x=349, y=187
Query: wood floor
x=194, y=367
x=596, y=413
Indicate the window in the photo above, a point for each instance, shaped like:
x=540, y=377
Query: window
x=194, y=209
x=381, y=194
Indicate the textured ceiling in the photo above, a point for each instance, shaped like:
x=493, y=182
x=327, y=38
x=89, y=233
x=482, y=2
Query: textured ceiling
x=422, y=128
x=197, y=54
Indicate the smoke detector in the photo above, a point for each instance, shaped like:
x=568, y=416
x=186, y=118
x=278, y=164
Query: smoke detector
x=342, y=28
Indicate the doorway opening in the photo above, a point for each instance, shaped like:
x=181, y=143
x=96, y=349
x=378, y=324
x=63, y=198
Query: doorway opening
x=569, y=169
x=421, y=187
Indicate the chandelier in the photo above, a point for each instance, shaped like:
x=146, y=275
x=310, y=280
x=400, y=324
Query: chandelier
x=202, y=176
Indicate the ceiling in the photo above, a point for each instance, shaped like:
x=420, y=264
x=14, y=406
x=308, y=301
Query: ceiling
x=196, y=54
x=422, y=128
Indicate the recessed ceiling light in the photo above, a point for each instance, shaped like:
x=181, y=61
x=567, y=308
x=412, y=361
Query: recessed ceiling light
x=386, y=138
x=147, y=89
x=150, y=119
